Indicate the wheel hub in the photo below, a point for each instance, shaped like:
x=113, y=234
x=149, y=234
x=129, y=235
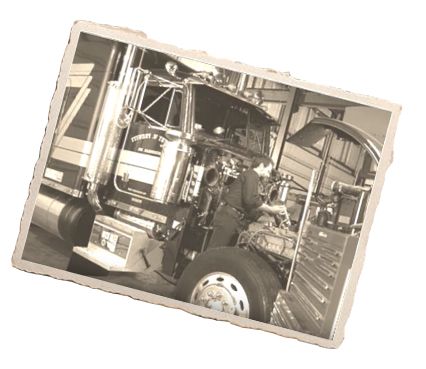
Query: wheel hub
x=221, y=292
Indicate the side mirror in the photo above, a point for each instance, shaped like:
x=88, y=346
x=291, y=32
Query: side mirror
x=171, y=68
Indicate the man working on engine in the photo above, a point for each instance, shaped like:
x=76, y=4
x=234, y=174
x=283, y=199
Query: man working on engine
x=241, y=199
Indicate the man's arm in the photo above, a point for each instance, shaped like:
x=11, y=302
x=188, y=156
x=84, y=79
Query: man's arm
x=272, y=209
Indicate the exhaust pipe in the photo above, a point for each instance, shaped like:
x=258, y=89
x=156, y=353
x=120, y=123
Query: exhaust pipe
x=108, y=133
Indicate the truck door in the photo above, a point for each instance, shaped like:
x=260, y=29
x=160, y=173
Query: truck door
x=139, y=159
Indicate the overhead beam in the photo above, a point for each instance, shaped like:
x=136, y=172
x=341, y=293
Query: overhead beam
x=316, y=99
x=307, y=98
x=273, y=95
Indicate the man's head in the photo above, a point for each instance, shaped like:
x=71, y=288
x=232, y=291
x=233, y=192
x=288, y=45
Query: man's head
x=263, y=166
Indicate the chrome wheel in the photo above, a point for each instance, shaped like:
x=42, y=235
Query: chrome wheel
x=221, y=292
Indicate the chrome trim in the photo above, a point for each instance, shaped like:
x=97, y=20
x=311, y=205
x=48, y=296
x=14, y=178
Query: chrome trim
x=221, y=292
x=138, y=211
x=136, y=173
x=146, y=225
x=106, y=139
x=108, y=132
x=171, y=171
x=60, y=187
x=187, y=109
x=141, y=160
x=121, y=151
x=51, y=207
x=47, y=211
x=170, y=106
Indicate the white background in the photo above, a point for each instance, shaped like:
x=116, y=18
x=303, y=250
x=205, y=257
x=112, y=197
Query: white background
x=361, y=47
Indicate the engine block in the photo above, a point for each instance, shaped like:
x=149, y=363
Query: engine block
x=269, y=238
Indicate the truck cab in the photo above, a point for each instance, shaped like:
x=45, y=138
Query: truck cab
x=165, y=144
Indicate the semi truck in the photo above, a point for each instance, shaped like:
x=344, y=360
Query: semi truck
x=143, y=151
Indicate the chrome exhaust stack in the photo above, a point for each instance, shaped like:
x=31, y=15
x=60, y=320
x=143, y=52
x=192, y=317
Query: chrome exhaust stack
x=108, y=133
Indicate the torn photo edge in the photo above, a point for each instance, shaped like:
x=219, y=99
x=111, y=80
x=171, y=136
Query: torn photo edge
x=139, y=39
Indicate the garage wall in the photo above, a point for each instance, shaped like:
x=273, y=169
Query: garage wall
x=346, y=158
x=299, y=162
x=274, y=108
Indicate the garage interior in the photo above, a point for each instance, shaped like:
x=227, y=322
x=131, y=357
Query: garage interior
x=335, y=159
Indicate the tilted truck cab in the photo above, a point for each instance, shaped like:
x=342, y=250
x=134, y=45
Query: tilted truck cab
x=143, y=151
x=152, y=159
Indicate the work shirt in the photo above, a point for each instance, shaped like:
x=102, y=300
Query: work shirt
x=243, y=194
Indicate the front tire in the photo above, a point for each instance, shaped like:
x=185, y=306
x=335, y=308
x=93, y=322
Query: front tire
x=230, y=280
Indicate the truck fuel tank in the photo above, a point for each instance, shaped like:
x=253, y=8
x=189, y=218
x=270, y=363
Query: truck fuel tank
x=64, y=216
x=171, y=171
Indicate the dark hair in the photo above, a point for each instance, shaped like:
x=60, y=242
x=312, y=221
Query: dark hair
x=261, y=159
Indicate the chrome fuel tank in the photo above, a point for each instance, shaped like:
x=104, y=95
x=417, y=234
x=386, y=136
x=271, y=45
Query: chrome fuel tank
x=63, y=216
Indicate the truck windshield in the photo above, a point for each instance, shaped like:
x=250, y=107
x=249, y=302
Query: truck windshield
x=226, y=119
x=161, y=106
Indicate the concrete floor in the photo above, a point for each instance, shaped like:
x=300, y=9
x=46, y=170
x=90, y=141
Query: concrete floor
x=43, y=248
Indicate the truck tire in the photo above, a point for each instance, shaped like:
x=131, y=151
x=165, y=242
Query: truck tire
x=230, y=280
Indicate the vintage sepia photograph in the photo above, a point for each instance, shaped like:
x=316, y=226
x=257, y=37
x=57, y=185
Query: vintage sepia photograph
x=214, y=187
